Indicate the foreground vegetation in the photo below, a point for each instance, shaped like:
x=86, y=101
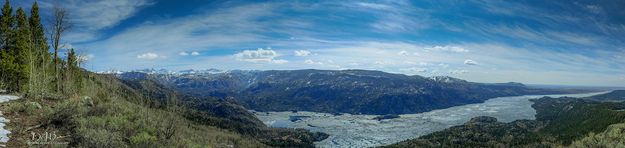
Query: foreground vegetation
x=106, y=114
x=559, y=122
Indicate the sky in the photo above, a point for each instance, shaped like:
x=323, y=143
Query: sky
x=565, y=42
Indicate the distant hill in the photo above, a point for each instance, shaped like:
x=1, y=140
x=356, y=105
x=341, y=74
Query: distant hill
x=616, y=95
x=332, y=91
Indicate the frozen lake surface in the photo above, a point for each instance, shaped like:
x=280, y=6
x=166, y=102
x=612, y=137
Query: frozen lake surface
x=349, y=130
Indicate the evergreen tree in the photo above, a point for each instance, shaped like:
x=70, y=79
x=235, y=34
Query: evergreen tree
x=6, y=24
x=72, y=61
x=38, y=36
x=41, y=68
x=22, y=50
x=6, y=29
x=72, y=77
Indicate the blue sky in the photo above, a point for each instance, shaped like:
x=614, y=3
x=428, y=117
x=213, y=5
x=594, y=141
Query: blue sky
x=541, y=42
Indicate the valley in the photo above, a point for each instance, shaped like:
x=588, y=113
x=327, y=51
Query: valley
x=348, y=130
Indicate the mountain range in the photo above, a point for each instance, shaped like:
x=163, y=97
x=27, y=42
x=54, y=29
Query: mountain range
x=336, y=91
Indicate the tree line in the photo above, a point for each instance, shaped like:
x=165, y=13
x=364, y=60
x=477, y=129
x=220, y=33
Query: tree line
x=26, y=64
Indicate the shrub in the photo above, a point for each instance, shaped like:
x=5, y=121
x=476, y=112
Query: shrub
x=87, y=137
x=63, y=115
x=143, y=139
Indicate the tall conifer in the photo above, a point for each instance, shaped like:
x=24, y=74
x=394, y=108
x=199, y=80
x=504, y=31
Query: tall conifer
x=6, y=24
x=6, y=29
x=42, y=67
x=22, y=50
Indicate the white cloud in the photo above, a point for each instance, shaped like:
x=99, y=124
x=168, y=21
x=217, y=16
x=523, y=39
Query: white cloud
x=83, y=58
x=403, y=53
x=259, y=55
x=309, y=61
x=149, y=56
x=448, y=48
x=193, y=53
x=470, y=62
x=302, y=53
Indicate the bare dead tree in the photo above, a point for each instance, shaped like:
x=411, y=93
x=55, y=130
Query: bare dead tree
x=60, y=24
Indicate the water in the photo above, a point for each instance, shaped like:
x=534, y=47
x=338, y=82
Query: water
x=349, y=130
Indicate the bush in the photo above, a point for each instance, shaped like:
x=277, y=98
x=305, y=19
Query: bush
x=143, y=139
x=63, y=115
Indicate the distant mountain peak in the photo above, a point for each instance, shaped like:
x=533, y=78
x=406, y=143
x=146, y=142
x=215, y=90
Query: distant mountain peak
x=447, y=79
x=165, y=71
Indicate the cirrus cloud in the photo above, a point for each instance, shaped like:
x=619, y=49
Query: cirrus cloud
x=448, y=48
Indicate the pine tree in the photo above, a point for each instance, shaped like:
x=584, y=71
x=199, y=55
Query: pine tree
x=23, y=50
x=6, y=29
x=72, y=72
x=38, y=36
x=40, y=78
x=6, y=24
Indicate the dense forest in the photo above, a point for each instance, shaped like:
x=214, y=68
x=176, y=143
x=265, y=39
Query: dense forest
x=77, y=108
